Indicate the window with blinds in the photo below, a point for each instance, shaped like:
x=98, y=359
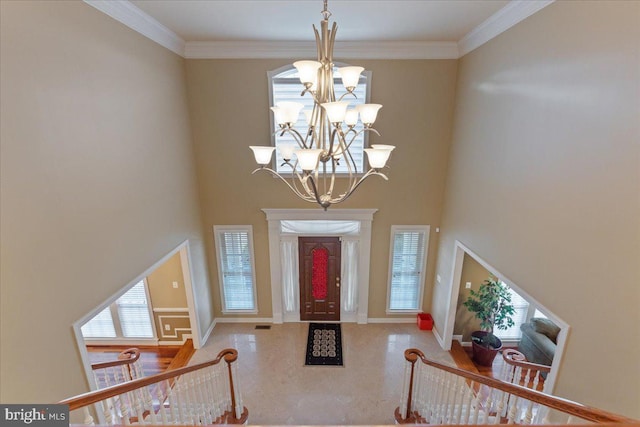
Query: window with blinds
x=133, y=317
x=133, y=312
x=521, y=307
x=286, y=86
x=100, y=326
x=407, y=268
x=234, y=248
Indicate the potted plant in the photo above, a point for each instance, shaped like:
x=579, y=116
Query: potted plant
x=492, y=306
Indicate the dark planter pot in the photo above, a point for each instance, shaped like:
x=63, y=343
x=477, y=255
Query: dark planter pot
x=485, y=347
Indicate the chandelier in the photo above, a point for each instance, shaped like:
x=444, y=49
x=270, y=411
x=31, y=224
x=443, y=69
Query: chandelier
x=327, y=141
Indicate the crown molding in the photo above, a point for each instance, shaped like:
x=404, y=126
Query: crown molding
x=513, y=13
x=128, y=14
x=349, y=50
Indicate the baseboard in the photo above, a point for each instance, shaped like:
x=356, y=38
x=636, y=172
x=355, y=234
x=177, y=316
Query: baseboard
x=439, y=338
x=244, y=319
x=206, y=335
x=391, y=320
x=123, y=341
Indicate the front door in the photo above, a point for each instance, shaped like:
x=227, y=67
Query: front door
x=319, y=278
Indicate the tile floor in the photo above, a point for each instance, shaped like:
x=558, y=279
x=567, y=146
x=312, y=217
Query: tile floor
x=278, y=388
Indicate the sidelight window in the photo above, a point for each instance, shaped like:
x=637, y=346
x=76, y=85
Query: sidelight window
x=234, y=248
x=408, y=261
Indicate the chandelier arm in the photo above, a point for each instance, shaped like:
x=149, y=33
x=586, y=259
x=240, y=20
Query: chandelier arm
x=332, y=41
x=296, y=135
x=315, y=191
x=369, y=173
x=295, y=190
x=301, y=179
x=318, y=43
x=347, y=93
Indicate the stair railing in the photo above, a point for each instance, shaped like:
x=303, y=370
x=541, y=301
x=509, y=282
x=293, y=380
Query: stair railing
x=517, y=370
x=202, y=394
x=127, y=367
x=435, y=393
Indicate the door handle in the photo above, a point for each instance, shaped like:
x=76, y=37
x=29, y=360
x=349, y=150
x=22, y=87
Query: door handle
x=337, y=282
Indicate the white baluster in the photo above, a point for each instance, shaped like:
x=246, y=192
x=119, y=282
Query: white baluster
x=196, y=409
x=450, y=402
x=161, y=400
x=124, y=409
x=528, y=415
x=467, y=402
x=107, y=411
x=457, y=401
x=208, y=393
x=438, y=416
x=513, y=410
x=88, y=419
x=174, y=404
x=476, y=404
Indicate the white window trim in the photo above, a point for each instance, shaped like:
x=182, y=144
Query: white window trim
x=217, y=230
x=273, y=73
x=120, y=339
x=408, y=228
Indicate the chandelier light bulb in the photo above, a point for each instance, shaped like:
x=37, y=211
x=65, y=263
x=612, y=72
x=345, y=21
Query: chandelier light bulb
x=308, y=71
x=350, y=77
x=308, y=158
x=368, y=113
x=336, y=110
x=277, y=114
x=377, y=157
x=351, y=117
x=290, y=111
x=262, y=154
x=383, y=146
x=286, y=150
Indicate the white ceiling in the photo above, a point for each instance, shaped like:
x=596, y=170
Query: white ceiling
x=291, y=20
x=391, y=29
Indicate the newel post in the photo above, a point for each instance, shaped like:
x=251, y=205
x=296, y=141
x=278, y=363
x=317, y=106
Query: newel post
x=405, y=415
x=235, y=418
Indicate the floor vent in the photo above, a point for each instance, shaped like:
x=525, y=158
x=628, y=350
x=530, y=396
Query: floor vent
x=263, y=326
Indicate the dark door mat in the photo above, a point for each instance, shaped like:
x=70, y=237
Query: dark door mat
x=324, y=345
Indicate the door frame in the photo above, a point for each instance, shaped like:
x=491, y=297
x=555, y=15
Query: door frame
x=364, y=216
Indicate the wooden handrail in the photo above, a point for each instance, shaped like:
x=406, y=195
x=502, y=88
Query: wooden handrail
x=229, y=355
x=515, y=358
x=595, y=415
x=126, y=357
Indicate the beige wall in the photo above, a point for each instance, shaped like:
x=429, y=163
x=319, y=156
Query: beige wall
x=467, y=322
x=160, y=282
x=229, y=108
x=97, y=182
x=544, y=183
x=164, y=296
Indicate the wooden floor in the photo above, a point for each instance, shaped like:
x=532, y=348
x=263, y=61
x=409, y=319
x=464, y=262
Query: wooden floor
x=462, y=356
x=155, y=359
